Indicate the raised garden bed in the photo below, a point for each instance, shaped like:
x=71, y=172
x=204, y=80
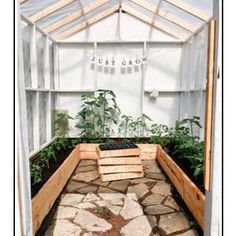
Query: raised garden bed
x=190, y=193
x=45, y=198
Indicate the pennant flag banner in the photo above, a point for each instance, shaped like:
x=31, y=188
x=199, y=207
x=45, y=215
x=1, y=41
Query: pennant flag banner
x=123, y=65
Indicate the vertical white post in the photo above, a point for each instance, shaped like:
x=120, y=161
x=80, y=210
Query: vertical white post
x=56, y=74
x=48, y=86
x=33, y=58
x=46, y=63
x=95, y=68
x=49, y=117
x=143, y=76
x=22, y=157
x=34, y=77
x=36, y=121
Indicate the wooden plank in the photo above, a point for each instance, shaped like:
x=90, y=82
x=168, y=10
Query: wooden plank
x=193, y=197
x=153, y=23
x=119, y=176
x=147, y=147
x=166, y=15
x=209, y=103
x=49, y=10
x=89, y=22
x=118, y=152
x=190, y=9
x=75, y=15
x=120, y=169
x=148, y=155
x=120, y=161
x=88, y=155
x=45, y=198
x=88, y=147
x=22, y=1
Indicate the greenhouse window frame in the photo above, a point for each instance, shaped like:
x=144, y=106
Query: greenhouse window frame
x=120, y=6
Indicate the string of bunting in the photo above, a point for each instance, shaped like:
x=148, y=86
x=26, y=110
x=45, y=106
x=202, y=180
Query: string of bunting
x=125, y=65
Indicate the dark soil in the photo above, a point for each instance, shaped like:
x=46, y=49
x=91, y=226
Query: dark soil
x=186, y=167
x=48, y=172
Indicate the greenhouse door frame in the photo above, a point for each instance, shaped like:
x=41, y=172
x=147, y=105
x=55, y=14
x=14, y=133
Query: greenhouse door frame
x=213, y=118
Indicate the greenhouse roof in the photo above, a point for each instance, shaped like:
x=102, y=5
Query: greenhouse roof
x=60, y=19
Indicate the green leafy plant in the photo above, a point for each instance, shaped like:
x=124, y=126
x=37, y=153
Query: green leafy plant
x=140, y=126
x=180, y=142
x=99, y=112
x=125, y=125
x=36, y=173
x=61, y=126
x=61, y=123
x=46, y=155
x=187, y=125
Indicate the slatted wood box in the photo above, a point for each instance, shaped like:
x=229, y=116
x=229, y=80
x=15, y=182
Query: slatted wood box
x=120, y=163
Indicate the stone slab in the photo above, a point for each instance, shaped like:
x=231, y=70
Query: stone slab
x=86, y=176
x=63, y=228
x=157, y=210
x=91, y=222
x=119, y=185
x=64, y=212
x=140, y=190
x=71, y=199
x=131, y=209
x=161, y=188
x=153, y=199
x=173, y=223
x=137, y=227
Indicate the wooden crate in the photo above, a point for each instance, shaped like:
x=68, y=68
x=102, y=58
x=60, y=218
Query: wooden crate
x=120, y=164
x=120, y=176
x=118, y=152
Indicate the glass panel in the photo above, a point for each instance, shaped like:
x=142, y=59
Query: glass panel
x=40, y=59
x=26, y=54
x=43, y=98
x=30, y=98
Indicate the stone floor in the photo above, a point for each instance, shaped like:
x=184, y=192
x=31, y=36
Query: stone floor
x=137, y=207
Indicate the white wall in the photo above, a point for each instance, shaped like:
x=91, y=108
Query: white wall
x=169, y=70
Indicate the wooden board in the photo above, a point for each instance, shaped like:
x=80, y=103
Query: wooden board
x=148, y=155
x=210, y=90
x=88, y=151
x=148, y=148
x=192, y=196
x=157, y=24
x=120, y=161
x=47, y=195
x=166, y=15
x=120, y=169
x=190, y=9
x=88, y=155
x=119, y=176
x=118, y=152
x=92, y=20
x=50, y=9
x=75, y=15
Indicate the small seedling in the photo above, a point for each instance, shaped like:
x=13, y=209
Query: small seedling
x=36, y=173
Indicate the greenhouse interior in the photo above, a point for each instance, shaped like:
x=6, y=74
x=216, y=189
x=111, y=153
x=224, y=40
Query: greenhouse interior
x=117, y=117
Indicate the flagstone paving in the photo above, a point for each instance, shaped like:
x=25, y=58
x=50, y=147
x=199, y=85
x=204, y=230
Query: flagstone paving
x=137, y=207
